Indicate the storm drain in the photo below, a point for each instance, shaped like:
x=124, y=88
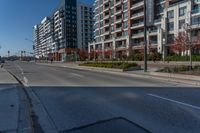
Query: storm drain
x=114, y=125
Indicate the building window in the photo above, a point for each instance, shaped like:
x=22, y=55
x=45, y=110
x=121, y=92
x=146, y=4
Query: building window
x=195, y=33
x=170, y=38
x=170, y=26
x=182, y=11
x=125, y=25
x=125, y=15
x=195, y=20
x=196, y=8
x=181, y=23
x=170, y=14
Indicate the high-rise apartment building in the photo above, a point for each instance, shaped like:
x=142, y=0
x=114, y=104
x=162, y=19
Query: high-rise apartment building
x=119, y=25
x=178, y=16
x=69, y=8
x=36, y=41
x=85, y=25
x=43, y=38
x=65, y=32
x=112, y=28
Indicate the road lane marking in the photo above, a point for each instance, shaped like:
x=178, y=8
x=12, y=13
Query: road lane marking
x=174, y=101
x=25, y=80
x=76, y=75
x=24, y=77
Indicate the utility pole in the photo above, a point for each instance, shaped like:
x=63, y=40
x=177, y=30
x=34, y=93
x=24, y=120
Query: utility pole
x=145, y=37
x=190, y=35
x=190, y=41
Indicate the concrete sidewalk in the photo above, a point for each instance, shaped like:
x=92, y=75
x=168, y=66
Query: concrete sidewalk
x=14, y=117
x=9, y=102
x=179, y=78
x=6, y=78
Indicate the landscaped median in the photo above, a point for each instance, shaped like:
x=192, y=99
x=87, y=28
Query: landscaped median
x=124, y=66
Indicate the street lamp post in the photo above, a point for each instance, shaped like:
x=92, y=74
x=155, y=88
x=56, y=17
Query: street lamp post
x=188, y=30
x=145, y=37
x=190, y=44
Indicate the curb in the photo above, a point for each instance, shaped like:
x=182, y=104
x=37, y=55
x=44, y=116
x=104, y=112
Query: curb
x=179, y=76
x=7, y=77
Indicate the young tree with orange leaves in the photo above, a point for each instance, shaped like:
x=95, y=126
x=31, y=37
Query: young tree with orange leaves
x=185, y=42
x=181, y=43
x=83, y=54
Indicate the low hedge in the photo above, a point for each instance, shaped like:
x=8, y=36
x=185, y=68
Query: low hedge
x=116, y=65
x=140, y=57
x=182, y=58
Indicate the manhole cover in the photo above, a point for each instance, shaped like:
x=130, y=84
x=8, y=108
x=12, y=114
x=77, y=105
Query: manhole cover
x=116, y=125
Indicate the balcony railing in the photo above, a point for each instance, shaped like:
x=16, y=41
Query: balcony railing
x=157, y=20
x=120, y=37
x=118, y=2
x=118, y=29
x=141, y=3
x=196, y=11
x=138, y=34
x=138, y=24
x=137, y=14
x=118, y=20
x=138, y=43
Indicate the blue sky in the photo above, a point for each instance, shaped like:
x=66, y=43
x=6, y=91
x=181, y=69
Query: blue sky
x=17, y=18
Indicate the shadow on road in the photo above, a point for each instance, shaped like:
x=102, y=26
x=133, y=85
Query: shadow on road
x=119, y=109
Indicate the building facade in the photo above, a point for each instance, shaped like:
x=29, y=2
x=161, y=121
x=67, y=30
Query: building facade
x=43, y=38
x=119, y=26
x=85, y=25
x=57, y=36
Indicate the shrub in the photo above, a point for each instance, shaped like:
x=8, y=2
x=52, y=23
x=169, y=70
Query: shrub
x=182, y=58
x=154, y=56
x=119, y=65
x=184, y=68
x=176, y=69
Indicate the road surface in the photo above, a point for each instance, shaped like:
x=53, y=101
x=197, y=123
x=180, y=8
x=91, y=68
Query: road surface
x=67, y=100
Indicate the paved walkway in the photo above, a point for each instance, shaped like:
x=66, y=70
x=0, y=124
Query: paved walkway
x=9, y=103
x=14, y=108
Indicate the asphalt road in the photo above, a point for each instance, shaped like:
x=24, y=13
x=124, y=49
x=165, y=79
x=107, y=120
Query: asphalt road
x=67, y=100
